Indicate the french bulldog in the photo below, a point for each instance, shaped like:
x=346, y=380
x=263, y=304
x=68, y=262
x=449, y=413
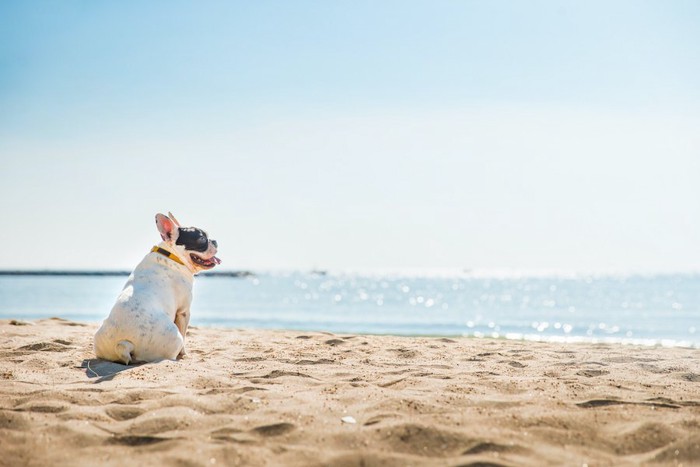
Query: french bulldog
x=150, y=318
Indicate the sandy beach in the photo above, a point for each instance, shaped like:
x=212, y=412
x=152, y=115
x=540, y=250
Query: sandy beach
x=253, y=397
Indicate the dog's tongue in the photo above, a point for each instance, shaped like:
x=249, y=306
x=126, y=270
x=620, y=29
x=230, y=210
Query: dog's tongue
x=216, y=260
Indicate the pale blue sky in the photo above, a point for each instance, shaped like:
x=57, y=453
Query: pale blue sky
x=466, y=134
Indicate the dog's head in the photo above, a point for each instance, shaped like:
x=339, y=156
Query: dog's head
x=191, y=244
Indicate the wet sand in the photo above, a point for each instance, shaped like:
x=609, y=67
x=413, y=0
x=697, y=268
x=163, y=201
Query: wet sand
x=254, y=397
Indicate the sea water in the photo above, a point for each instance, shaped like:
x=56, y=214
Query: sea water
x=648, y=310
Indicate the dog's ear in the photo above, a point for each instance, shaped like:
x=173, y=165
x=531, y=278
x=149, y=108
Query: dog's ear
x=172, y=218
x=167, y=228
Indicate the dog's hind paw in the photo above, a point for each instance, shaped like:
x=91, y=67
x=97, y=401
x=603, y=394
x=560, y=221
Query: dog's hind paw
x=123, y=350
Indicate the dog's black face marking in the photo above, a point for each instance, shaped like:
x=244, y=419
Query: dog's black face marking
x=193, y=239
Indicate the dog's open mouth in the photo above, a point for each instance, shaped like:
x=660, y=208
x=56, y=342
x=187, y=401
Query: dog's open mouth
x=205, y=263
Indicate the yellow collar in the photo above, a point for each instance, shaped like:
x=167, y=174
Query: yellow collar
x=166, y=253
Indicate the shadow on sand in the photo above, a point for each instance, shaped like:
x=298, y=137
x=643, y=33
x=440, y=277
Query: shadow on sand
x=104, y=370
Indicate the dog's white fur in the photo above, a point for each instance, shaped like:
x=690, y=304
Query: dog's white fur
x=150, y=318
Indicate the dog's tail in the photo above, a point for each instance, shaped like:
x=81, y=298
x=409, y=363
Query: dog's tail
x=124, y=349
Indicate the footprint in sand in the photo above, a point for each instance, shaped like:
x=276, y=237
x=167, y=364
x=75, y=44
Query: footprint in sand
x=57, y=346
x=233, y=435
x=136, y=440
x=276, y=429
x=124, y=413
x=594, y=403
x=486, y=446
x=515, y=364
x=405, y=353
x=379, y=418
x=65, y=322
x=43, y=408
x=447, y=340
x=19, y=322
x=592, y=373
